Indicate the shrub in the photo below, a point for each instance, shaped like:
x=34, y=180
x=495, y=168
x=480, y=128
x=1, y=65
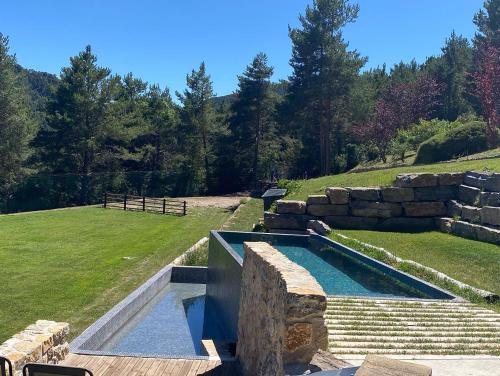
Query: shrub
x=456, y=142
x=290, y=185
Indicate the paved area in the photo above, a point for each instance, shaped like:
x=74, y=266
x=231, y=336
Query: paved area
x=120, y=366
x=359, y=326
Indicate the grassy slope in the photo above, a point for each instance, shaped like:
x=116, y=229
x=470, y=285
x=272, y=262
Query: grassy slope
x=385, y=177
x=248, y=215
x=69, y=265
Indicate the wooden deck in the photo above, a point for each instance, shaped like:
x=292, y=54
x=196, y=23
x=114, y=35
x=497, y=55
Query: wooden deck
x=132, y=366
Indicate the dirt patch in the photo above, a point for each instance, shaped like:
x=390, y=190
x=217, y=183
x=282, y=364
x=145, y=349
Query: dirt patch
x=225, y=202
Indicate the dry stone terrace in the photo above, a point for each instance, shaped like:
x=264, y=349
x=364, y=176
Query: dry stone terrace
x=465, y=204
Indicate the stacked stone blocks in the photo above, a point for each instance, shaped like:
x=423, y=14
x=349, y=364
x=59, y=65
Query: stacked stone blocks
x=415, y=202
x=42, y=342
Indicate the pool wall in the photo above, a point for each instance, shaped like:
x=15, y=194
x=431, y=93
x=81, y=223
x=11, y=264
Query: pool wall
x=99, y=332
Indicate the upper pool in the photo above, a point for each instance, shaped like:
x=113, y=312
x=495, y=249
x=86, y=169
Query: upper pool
x=338, y=269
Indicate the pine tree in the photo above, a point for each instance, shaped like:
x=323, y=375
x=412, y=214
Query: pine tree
x=252, y=123
x=80, y=136
x=16, y=121
x=198, y=128
x=324, y=72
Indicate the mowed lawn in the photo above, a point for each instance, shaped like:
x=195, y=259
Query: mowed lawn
x=75, y=264
x=469, y=261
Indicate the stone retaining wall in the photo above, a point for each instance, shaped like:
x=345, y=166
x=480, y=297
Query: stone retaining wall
x=42, y=342
x=281, y=317
x=415, y=202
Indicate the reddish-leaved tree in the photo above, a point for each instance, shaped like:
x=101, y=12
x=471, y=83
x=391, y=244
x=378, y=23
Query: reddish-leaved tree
x=487, y=88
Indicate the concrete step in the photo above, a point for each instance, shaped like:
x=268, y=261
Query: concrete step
x=415, y=318
x=416, y=333
x=414, y=328
x=416, y=345
x=412, y=339
x=389, y=323
x=479, y=311
x=364, y=351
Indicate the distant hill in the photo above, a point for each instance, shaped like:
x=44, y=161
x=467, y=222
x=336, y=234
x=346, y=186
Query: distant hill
x=41, y=85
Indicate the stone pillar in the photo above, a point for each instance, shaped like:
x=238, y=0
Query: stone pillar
x=281, y=316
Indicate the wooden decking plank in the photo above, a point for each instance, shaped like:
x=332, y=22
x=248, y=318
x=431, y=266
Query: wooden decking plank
x=122, y=364
x=195, y=364
x=104, y=365
x=153, y=369
x=162, y=367
x=176, y=370
x=114, y=365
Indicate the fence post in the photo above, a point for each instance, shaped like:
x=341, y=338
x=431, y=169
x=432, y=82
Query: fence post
x=125, y=202
x=164, y=205
x=105, y=199
x=143, y=203
x=184, y=208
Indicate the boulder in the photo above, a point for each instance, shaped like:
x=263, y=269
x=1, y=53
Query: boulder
x=489, y=199
x=327, y=210
x=407, y=224
x=375, y=365
x=424, y=209
x=490, y=216
x=337, y=196
x=444, y=224
x=492, y=183
x=318, y=200
x=454, y=209
x=416, y=180
x=350, y=222
x=286, y=221
x=469, y=195
x=396, y=194
x=366, y=194
x=475, y=179
x=319, y=227
x=290, y=207
x=376, y=209
x=451, y=178
x=464, y=229
x=488, y=234
x=471, y=214
x=444, y=193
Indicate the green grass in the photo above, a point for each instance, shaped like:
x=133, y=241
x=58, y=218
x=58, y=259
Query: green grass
x=247, y=216
x=468, y=261
x=73, y=265
x=384, y=177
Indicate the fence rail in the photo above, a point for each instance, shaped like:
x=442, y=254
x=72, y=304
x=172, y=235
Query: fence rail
x=145, y=204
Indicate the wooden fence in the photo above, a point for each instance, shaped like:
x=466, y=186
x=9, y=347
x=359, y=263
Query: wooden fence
x=145, y=204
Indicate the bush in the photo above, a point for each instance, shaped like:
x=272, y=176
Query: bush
x=456, y=142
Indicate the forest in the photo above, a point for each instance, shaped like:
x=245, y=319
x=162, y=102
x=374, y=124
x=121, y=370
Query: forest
x=65, y=140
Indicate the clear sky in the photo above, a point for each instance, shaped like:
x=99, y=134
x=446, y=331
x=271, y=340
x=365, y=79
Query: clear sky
x=162, y=40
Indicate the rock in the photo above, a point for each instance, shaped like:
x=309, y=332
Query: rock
x=319, y=227
x=444, y=224
x=464, y=229
x=337, y=196
x=474, y=179
x=376, y=209
x=444, y=193
x=350, y=222
x=471, y=214
x=281, y=316
x=396, y=194
x=416, y=180
x=375, y=365
x=424, y=209
x=407, y=224
x=318, y=200
x=452, y=178
x=492, y=183
x=290, y=207
x=469, y=195
x=366, y=194
x=490, y=216
x=454, y=209
x=488, y=234
x=286, y=221
x=489, y=199
x=327, y=210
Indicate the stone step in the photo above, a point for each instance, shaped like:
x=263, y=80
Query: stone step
x=410, y=313
x=363, y=351
x=416, y=345
x=404, y=311
x=416, y=333
x=381, y=328
x=392, y=303
x=411, y=339
x=382, y=316
x=448, y=320
x=411, y=324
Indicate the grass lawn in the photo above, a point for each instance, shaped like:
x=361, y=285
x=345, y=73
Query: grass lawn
x=248, y=215
x=384, y=177
x=73, y=265
x=469, y=261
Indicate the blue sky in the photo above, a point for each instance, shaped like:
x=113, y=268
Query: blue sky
x=162, y=40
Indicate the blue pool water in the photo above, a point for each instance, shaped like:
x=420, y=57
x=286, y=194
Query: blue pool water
x=339, y=274
x=169, y=324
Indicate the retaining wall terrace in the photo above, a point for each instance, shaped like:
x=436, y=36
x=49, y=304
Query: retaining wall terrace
x=416, y=202
x=42, y=342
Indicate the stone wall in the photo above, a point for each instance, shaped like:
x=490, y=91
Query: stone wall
x=281, y=318
x=42, y=342
x=415, y=202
